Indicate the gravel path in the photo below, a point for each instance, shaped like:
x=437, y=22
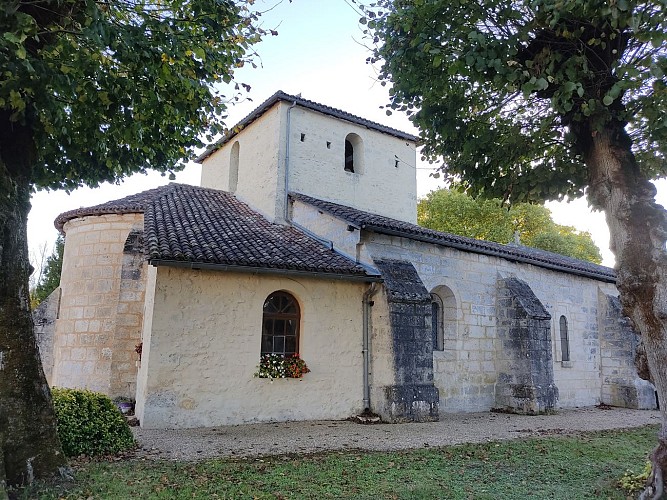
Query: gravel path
x=308, y=437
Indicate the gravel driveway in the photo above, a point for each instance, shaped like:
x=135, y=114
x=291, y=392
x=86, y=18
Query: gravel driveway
x=307, y=437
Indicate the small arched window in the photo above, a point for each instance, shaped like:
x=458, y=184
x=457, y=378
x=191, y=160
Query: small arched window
x=443, y=322
x=280, y=325
x=354, y=154
x=564, y=339
x=234, y=166
x=437, y=323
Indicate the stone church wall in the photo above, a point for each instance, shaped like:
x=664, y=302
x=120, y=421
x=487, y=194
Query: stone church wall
x=202, y=342
x=93, y=289
x=385, y=182
x=466, y=371
x=621, y=386
x=44, y=318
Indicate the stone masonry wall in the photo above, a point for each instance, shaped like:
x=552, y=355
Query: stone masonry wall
x=129, y=317
x=524, y=361
x=621, y=386
x=91, y=289
x=44, y=318
x=412, y=397
x=465, y=373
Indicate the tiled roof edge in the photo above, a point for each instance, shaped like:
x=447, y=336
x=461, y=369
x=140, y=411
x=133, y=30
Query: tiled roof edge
x=132, y=204
x=264, y=270
x=304, y=103
x=466, y=244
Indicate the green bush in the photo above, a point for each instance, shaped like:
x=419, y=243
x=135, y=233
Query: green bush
x=89, y=423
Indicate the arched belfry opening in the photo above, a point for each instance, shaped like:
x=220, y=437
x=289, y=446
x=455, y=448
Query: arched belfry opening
x=354, y=154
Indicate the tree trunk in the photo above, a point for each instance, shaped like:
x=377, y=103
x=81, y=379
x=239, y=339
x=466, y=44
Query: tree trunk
x=29, y=445
x=638, y=229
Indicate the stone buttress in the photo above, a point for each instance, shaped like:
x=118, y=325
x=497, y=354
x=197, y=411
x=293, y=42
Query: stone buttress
x=412, y=396
x=525, y=360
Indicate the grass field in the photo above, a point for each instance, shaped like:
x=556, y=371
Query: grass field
x=552, y=467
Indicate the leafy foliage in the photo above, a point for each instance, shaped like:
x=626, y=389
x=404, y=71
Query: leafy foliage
x=633, y=483
x=458, y=213
x=50, y=278
x=510, y=93
x=107, y=89
x=89, y=423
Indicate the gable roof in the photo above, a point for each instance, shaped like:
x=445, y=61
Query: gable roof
x=304, y=103
x=189, y=226
x=515, y=253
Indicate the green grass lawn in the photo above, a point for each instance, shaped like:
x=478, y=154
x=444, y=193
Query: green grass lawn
x=558, y=467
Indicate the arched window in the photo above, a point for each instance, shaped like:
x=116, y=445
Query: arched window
x=280, y=325
x=234, y=167
x=354, y=153
x=436, y=322
x=443, y=318
x=564, y=340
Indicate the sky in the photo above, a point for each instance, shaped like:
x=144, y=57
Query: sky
x=320, y=53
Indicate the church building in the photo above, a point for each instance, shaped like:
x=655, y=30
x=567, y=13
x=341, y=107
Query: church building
x=302, y=240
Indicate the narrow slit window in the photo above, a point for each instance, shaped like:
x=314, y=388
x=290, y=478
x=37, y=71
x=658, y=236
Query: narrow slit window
x=564, y=339
x=349, y=156
x=437, y=331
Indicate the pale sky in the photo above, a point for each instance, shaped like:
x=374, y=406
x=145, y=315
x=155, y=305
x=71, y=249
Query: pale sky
x=319, y=53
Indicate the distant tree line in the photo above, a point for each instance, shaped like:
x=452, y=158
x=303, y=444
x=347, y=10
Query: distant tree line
x=488, y=219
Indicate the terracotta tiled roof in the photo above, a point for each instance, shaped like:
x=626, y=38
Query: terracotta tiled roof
x=211, y=228
x=517, y=253
x=304, y=103
x=133, y=204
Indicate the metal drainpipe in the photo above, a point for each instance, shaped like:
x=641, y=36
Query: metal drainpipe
x=286, y=200
x=367, y=304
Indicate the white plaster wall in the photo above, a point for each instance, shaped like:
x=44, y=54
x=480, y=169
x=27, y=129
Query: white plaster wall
x=261, y=162
x=318, y=171
x=345, y=241
x=204, y=347
x=147, y=328
x=382, y=373
x=466, y=378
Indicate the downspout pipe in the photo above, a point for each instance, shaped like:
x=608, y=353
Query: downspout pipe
x=367, y=304
x=287, y=152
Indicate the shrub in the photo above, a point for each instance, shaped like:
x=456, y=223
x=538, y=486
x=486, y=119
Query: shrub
x=89, y=423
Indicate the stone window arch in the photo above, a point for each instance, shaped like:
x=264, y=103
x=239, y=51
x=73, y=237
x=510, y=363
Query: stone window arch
x=564, y=339
x=444, y=314
x=280, y=324
x=234, y=156
x=354, y=154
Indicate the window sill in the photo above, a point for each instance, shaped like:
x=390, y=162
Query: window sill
x=566, y=364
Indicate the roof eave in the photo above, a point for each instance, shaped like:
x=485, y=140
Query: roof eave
x=493, y=253
x=263, y=270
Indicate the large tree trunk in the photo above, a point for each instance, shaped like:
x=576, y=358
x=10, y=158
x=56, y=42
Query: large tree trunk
x=638, y=229
x=29, y=446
